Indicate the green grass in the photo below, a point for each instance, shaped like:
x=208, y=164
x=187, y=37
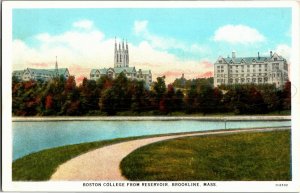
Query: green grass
x=259, y=156
x=41, y=165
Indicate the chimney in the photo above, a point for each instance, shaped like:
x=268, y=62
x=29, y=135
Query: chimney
x=258, y=55
x=271, y=54
x=233, y=55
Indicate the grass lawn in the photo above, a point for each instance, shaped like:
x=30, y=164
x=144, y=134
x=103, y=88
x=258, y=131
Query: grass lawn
x=259, y=156
x=41, y=165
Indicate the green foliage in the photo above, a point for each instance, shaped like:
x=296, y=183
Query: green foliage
x=119, y=96
x=234, y=157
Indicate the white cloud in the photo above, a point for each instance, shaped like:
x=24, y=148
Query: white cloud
x=140, y=26
x=144, y=56
x=284, y=50
x=164, y=43
x=83, y=24
x=43, y=37
x=238, y=34
x=82, y=50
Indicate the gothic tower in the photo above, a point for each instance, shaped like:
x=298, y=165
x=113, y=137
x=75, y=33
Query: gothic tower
x=121, y=55
x=56, y=68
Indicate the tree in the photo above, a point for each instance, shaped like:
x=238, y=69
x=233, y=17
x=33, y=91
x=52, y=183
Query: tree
x=271, y=99
x=89, y=96
x=178, y=101
x=49, y=102
x=257, y=105
x=70, y=84
x=108, y=102
x=205, y=99
x=159, y=89
x=287, y=96
x=190, y=100
x=138, y=96
x=245, y=99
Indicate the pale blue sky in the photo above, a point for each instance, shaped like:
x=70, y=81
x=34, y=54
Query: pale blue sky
x=188, y=25
x=186, y=33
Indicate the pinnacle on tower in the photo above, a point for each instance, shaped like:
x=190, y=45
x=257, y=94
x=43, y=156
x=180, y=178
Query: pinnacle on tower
x=56, y=68
x=121, y=58
x=115, y=44
x=123, y=44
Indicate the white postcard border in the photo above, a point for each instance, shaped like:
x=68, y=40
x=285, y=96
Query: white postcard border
x=222, y=186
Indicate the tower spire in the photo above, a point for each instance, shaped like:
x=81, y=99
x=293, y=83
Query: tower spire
x=123, y=44
x=116, y=53
x=56, y=68
x=127, y=54
x=115, y=44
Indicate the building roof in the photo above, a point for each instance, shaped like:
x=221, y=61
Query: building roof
x=117, y=70
x=17, y=71
x=61, y=71
x=249, y=60
x=93, y=71
x=127, y=69
x=101, y=71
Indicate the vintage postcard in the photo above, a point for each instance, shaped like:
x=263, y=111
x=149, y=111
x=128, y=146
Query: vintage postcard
x=170, y=96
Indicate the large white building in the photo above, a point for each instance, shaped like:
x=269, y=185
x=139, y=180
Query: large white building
x=272, y=69
x=121, y=64
x=40, y=74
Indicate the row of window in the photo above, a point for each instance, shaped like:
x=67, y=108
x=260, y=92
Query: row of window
x=253, y=60
x=242, y=75
x=249, y=66
x=248, y=70
x=244, y=80
x=278, y=75
x=247, y=75
x=254, y=66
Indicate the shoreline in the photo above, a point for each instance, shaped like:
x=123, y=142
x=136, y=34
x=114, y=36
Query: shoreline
x=99, y=164
x=154, y=118
x=70, y=153
x=146, y=136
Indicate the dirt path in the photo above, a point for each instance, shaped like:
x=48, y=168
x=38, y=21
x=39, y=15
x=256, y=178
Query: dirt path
x=103, y=163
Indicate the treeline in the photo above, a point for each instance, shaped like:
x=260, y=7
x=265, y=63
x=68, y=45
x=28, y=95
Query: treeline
x=121, y=96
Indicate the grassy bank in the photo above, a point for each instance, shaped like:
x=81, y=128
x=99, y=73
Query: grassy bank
x=41, y=165
x=261, y=156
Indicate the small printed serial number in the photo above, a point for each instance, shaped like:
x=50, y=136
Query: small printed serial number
x=282, y=185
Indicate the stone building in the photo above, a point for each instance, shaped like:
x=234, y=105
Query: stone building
x=121, y=64
x=272, y=69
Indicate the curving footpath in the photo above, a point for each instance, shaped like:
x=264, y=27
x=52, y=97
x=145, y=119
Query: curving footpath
x=103, y=163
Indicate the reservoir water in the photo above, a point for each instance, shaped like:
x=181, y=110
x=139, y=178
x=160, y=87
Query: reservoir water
x=30, y=137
